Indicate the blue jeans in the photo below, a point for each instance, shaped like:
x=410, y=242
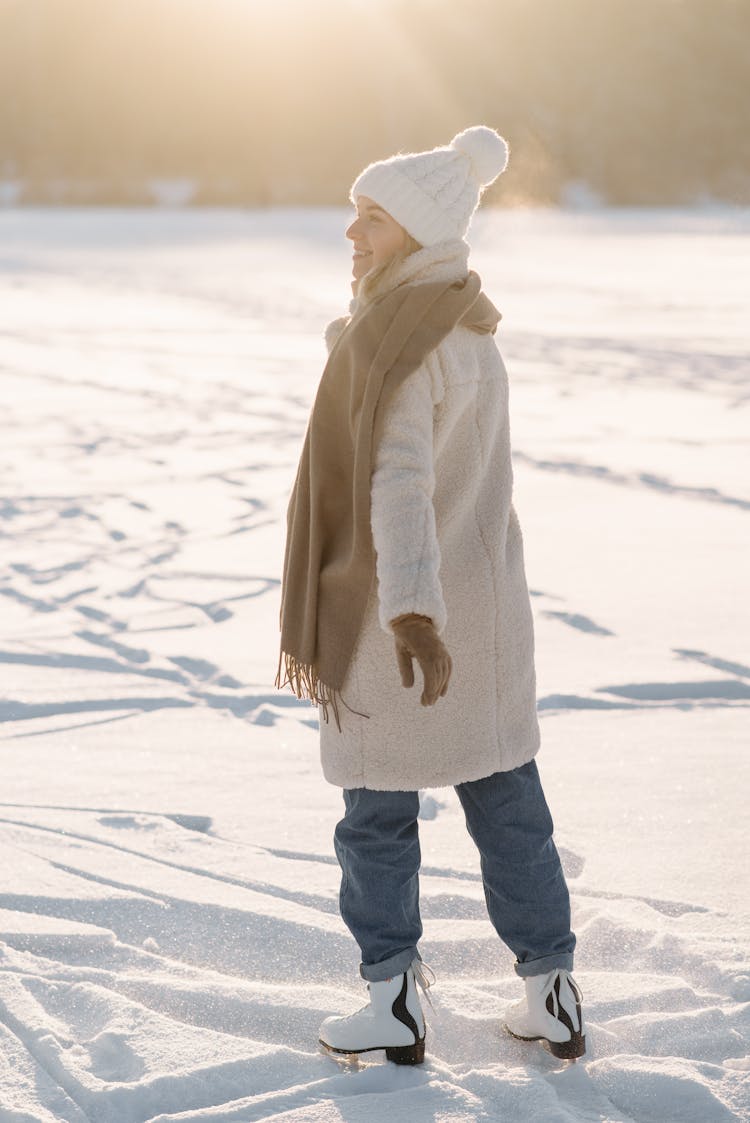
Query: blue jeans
x=377, y=845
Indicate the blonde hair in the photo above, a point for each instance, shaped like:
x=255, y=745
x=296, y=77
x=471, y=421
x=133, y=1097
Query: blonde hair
x=381, y=278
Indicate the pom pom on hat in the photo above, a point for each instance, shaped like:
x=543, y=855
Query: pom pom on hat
x=434, y=194
x=486, y=149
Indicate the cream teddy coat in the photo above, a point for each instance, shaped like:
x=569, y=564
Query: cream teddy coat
x=448, y=544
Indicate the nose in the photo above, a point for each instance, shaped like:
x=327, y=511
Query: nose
x=353, y=230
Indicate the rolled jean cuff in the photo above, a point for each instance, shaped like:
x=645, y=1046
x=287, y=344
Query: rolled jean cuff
x=394, y=965
x=545, y=964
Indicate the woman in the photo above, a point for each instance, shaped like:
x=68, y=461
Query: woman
x=403, y=545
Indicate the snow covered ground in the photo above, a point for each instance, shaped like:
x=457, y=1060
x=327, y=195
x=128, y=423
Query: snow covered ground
x=170, y=939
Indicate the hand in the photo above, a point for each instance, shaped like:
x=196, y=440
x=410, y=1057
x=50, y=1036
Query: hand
x=416, y=638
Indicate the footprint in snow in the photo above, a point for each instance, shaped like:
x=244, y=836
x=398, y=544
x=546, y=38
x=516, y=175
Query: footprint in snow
x=113, y=1059
x=572, y=863
x=429, y=806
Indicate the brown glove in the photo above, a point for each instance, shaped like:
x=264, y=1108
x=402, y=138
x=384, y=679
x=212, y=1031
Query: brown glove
x=416, y=638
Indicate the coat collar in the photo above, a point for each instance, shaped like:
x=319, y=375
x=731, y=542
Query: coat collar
x=445, y=261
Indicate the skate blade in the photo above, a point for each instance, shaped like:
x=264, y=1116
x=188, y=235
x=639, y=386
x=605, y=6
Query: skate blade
x=399, y=1054
x=350, y=1060
x=563, y=1050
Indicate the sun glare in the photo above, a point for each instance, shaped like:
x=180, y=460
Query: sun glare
x=276, y=101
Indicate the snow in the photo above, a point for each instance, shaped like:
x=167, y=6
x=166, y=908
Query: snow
x=169, y=930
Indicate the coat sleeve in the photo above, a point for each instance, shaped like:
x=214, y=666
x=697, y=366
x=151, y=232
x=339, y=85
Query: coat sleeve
x=402, y=513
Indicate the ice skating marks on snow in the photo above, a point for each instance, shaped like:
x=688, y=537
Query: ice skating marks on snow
x=739, y=669
x=157, y=556
x=652, y=695
x=142, y=891
x=611, y=357
x=139, y=1004
x=711, y=692
x=679, y=694
x=648, y=480
x=578, y=620
x=152, y=970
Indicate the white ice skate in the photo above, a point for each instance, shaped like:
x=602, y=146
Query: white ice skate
x=550, y=1013
x=392, y=1020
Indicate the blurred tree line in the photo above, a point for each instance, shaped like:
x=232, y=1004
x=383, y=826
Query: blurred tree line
x=284, y=101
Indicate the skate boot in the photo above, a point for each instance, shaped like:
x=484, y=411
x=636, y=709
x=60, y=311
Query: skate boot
x=550, y=1013
x=393, y=1020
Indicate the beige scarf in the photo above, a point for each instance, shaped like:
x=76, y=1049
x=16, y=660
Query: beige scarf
x=329, y=563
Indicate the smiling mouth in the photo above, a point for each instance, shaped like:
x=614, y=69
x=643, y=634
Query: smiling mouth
x=361, y=253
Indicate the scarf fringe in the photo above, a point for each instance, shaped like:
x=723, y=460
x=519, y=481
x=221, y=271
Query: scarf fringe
x=305, y=683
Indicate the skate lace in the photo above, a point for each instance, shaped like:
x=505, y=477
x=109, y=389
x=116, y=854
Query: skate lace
x=425, y=977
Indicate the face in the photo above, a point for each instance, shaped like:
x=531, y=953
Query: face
x=376, y=237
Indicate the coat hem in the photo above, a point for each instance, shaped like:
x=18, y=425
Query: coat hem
x=333, y=776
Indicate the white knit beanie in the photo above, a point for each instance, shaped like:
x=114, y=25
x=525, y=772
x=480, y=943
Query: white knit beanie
x=433, y=195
